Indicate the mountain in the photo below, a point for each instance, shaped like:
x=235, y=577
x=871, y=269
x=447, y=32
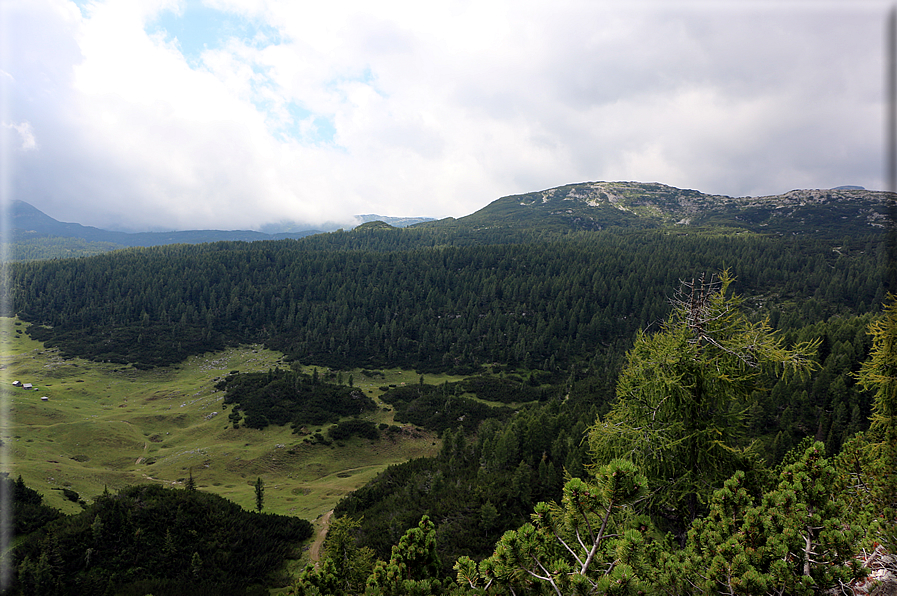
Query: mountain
x=396, y=222
x=36, y=235
x=600, y=205
x=27, y=222
x=294, y=227
x=589, y=206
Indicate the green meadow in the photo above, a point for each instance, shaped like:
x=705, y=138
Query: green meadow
x=105, y=426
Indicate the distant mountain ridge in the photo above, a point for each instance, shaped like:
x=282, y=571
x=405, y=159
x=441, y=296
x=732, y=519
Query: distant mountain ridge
x=588, y=206
x=26, y=222
x=599, y=205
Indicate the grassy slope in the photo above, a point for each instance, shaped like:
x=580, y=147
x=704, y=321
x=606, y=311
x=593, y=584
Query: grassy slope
x=104, y=423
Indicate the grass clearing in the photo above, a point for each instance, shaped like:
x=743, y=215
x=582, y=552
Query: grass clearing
x=107, y=426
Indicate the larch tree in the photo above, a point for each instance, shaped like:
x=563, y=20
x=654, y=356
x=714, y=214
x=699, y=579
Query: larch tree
x=874, y=455
x=683, y=394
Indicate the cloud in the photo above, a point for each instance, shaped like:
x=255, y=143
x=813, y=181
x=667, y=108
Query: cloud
x=237, y=113
x=29, y=143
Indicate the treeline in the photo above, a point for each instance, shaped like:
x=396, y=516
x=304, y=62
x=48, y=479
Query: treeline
x=541, y=304
x=677, y=499
x=33, y=249
x=477, y=487
x=282, y=397
x=151, y=539
x=450, y=405
x=525, y=457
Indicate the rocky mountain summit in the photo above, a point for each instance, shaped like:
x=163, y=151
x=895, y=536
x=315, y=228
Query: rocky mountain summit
x=597, y=205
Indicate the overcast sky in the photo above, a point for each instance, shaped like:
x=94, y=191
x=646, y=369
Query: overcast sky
x=230, y=114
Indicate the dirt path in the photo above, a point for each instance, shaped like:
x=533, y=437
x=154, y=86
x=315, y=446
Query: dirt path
x=140, y=459
x=314, y=553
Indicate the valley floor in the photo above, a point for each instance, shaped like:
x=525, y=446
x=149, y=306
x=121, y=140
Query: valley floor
x=107, y=426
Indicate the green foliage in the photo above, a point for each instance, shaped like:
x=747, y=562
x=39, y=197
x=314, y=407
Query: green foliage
x=259, y=494
x=872, y=458
x=286, y=397
x=116, y=542
x=879, y=373
x=829, y=405
x=504, y=390
x=352, y=564
x=503, y=470
x=682, y=397
x=558, y=309
x=439, y=407
x=38, y=248
x=413, y=568
x=798, y=539
x=354, y=428
x=427, y=299
x=345, y=567
x=146, y=346
x=583, y=545
x=28, y=511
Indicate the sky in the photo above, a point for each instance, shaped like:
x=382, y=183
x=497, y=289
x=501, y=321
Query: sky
x=237, y=114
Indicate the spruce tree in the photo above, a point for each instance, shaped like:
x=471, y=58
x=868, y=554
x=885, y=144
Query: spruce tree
x=259, y=494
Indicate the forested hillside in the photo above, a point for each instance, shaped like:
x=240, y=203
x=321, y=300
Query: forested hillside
x=547, y=324
x=151, y=538
x=542, y=304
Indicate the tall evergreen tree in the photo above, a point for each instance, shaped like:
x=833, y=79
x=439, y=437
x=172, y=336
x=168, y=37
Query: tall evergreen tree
x=259, y=494
x=345, y=567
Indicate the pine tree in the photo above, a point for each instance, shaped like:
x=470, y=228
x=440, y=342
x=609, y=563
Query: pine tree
x=413, y=567
x=345, y=568
x=196, y=567
x=798, y=539
x=585, y=545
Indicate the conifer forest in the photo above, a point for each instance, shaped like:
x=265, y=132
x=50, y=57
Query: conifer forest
x=634, y=410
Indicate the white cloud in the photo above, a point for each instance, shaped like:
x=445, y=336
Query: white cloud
x=320, y=111
x=29, y=143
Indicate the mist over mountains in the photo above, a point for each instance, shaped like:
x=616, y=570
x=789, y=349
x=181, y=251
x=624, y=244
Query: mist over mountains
x=29, y=223
x=590, y=206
